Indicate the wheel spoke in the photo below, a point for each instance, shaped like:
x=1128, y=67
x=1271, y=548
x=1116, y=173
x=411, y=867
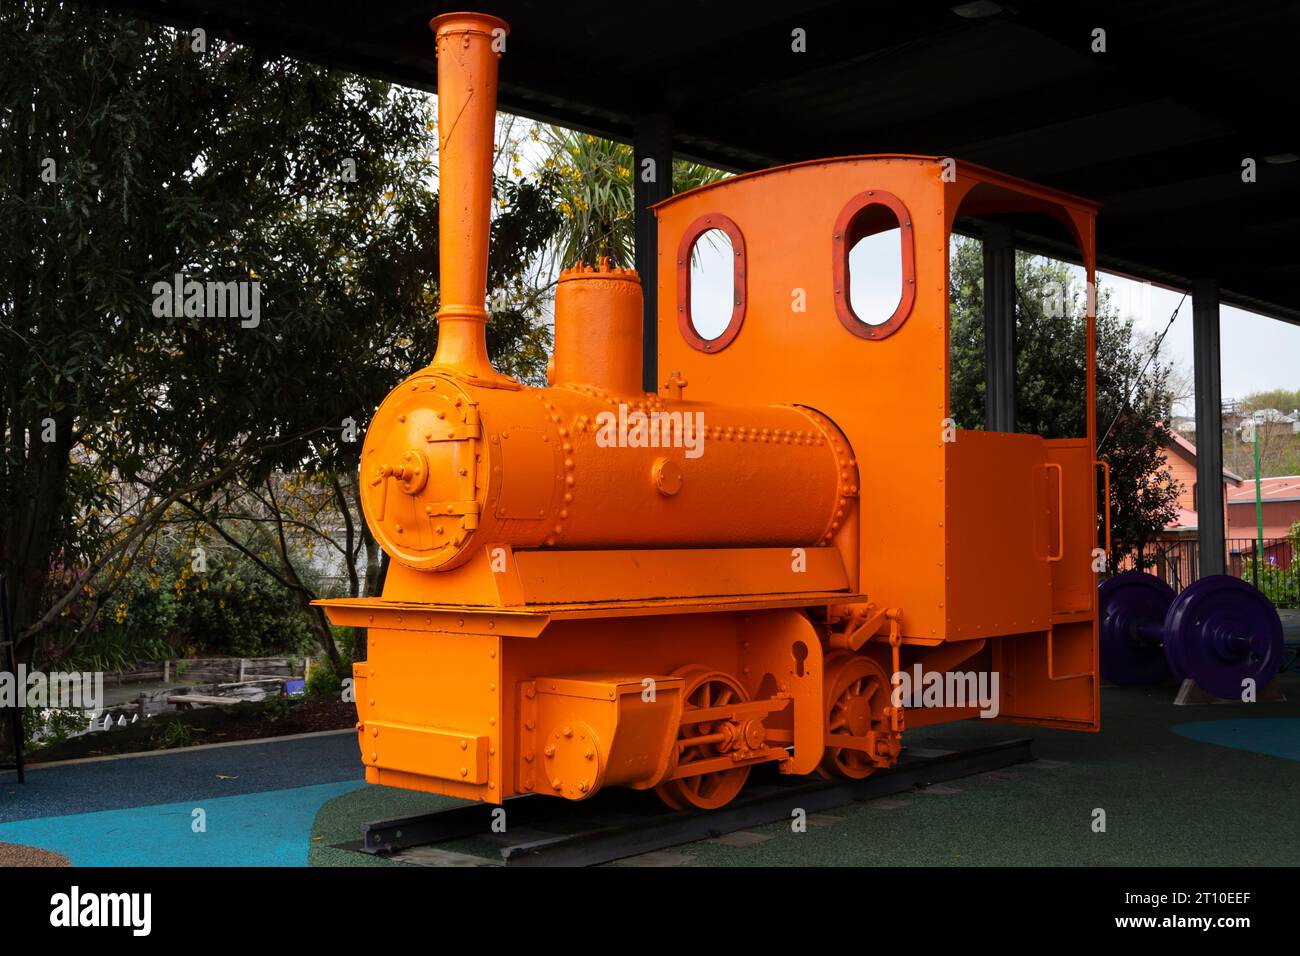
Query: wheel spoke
x=715, y=788
x=853, y=683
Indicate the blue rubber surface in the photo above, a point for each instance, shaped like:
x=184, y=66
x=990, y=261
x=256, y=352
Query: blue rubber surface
x=258, y=800
x=1273, y=736
x=184, y=775
x=271, y=828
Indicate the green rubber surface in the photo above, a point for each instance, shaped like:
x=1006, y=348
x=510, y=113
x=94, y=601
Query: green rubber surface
x=340, y=820
x=1169, y=800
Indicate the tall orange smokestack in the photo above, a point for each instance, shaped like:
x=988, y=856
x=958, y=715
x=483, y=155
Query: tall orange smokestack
x=468, y=47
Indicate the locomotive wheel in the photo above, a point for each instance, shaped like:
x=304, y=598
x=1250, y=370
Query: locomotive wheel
x=1129, y=606
x=857, y=693
x=706, y=791
x=1219, y=631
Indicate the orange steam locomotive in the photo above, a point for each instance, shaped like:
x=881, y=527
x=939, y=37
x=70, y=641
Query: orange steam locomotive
x=595, y=586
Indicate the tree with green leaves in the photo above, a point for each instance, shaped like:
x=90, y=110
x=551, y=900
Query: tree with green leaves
x=1133, y=401
x=1278, y=445
x=596, y=195
x=131, y=154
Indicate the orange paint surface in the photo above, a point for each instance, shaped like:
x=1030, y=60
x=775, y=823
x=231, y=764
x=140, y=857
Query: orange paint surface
x=596, y=586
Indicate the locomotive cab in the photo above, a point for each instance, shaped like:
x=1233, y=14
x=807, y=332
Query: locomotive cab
x=983, y=540
x=592, y=585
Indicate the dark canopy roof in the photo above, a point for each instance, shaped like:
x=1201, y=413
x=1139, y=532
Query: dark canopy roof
x=1156, y=127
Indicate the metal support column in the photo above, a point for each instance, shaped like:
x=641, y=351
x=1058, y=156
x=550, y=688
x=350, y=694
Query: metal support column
x=9, y=661
x=652, y=146
x=999, y=329
x=1209, y=428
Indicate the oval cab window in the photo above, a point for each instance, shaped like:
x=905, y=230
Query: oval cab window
x=711, y=282
x=874, y=272
x=876, y=275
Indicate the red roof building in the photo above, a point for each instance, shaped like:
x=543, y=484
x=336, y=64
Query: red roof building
x=1281, y=510
x=1180, y=458
x=1281, y=507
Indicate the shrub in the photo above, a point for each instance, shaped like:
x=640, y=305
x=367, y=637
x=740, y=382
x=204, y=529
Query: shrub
x=235, y=608
x=1282, y=587
x=175, y=733
x=323, y=682
x=46, y=728
x=165, y=608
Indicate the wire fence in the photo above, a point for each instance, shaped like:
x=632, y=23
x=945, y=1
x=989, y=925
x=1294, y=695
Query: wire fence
x=1269, y=565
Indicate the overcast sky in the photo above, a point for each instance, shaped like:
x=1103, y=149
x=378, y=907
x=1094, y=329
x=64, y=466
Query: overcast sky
x=1258, y=353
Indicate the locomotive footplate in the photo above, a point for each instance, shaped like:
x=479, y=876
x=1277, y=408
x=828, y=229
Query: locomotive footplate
x=529, y=620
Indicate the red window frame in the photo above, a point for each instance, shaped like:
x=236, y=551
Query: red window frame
x=842, y=245
x=685, y=324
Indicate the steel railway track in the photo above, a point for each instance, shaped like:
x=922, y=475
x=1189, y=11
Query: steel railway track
x=621, y=823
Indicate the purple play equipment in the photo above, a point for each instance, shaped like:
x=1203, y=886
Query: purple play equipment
x=1219, y=631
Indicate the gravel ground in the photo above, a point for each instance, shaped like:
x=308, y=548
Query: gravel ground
x=14, y=854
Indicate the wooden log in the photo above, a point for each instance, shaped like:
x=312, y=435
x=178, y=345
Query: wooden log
x=145, y=671
x=186, y=701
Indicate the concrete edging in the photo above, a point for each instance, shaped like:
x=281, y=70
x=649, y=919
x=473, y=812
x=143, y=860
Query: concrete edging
x=180, y=750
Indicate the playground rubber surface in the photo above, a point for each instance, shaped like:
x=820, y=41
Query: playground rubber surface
x=1178, y=786
x=246, y=805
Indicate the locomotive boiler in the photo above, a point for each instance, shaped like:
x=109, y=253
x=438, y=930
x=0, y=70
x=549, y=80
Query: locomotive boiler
x=592, y=585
